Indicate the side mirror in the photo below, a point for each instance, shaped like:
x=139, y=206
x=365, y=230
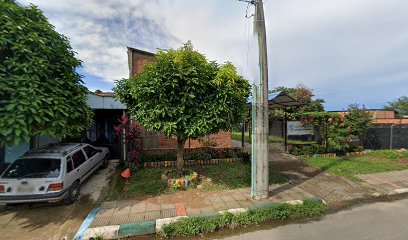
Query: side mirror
x=99, y=150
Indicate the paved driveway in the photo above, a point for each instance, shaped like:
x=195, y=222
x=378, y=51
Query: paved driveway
x=52, y=221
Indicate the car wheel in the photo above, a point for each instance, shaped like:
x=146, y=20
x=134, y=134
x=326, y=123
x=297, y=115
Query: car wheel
x=105, y=162
x=73, y=192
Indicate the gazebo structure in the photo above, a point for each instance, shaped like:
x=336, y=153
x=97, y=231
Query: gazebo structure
x=275, y=100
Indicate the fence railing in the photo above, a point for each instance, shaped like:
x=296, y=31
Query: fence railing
x=386, y=137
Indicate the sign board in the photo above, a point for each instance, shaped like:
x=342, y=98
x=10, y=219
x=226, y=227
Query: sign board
x=296, y=128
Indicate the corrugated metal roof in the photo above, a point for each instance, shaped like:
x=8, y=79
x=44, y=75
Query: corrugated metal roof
x=104, y=100
x=104, y=94
x=281, y=99
x=140, y=51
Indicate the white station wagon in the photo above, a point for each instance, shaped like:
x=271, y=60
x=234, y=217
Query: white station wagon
x=51, y=173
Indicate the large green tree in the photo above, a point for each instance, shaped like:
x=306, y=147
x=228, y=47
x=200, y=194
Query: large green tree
x=400, y=105
x=40, y=91
x=184, y=95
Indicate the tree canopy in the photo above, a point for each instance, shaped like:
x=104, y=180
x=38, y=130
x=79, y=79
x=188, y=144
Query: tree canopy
x=40, y=91
x=302, y=94
x=400, y=105
x=183, y=94
x=337, y=131
x=358, y=119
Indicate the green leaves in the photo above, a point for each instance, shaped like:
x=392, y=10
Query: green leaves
x=400, y=105
x=183, y=94
x=40, y=91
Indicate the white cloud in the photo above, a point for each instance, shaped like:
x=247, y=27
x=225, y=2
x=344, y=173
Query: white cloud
x=100, y=31
x=346, y=50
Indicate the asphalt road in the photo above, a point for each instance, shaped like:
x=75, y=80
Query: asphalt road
x=52, y=221
x=377, y=221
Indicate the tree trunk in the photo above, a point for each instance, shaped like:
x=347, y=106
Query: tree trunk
x=180, y=156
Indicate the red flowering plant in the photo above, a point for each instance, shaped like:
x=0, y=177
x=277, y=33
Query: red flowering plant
x=332, y=129
x=129, y=133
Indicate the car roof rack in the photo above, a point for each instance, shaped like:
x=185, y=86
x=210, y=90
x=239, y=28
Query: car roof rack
x=62, y=148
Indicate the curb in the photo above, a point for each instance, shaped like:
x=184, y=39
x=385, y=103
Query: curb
x=390, y=193
x=86, y=223
x=155, y=226
x=398, y=191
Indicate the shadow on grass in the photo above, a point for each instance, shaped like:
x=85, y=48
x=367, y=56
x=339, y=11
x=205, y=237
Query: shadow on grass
x=147, y=181
x=349, y=167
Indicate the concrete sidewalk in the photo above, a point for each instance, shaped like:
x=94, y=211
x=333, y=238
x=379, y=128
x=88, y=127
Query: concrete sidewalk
x=191, y=203
x=387, y=183
x=304, y=182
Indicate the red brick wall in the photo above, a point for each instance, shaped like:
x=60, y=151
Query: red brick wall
x=222, y=139
x=378, y=114
x=391, y=121
x=138, y=59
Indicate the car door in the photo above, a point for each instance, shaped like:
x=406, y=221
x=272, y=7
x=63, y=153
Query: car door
x=93, y=156
x=81, y=166
x=70, y=172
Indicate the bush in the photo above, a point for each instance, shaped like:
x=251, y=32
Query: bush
x=281, y=211
x=193, y=154
x=319, y=149
x=246, y=157
x=308, y=149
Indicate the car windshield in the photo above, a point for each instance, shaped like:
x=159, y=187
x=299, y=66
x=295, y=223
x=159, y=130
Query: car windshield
x=34, y=168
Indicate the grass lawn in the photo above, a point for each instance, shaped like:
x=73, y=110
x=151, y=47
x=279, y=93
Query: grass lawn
x=147, y=181
x=373, y=162
x=272, y=139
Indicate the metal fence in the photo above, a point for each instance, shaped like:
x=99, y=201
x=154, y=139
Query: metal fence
x=387, y=137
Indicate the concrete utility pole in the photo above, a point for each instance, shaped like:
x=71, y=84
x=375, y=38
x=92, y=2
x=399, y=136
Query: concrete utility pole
x=260, y=113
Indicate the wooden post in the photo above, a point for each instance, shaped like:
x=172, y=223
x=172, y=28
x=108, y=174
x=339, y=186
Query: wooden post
x=243, y=134
x=286, y=133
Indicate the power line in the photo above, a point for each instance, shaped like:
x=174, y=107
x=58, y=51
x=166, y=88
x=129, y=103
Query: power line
x=248, y=1
x=246, y=12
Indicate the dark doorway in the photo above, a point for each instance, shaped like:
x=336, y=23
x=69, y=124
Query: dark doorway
x=102, y=133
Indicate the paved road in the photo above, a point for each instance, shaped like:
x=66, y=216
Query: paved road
x=378, y=221
x=52, y=221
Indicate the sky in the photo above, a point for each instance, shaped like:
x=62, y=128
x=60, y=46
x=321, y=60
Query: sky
x=347, y=51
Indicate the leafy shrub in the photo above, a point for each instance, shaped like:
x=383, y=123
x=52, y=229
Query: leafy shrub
x=201, y=225
x=246, y=157
x=228, y=153
x=193, y=154
x=308, y=149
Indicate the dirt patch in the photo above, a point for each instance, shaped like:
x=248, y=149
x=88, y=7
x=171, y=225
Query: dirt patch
x=403, y=161
x=43, y=221
x=297, y=166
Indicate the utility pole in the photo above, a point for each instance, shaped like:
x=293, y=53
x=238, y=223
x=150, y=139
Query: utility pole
x=260, y=111
x=260, y=116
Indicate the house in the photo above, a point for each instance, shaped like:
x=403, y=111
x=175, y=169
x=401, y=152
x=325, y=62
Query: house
x=107, y=111
x=10, y=153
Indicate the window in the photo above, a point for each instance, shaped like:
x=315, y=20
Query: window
x=78, y=158
x=70, y=167
x=90, y=151
x=34, y=168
